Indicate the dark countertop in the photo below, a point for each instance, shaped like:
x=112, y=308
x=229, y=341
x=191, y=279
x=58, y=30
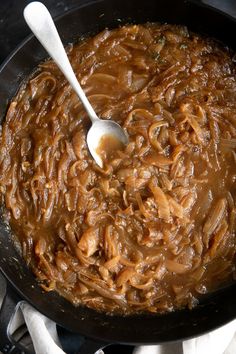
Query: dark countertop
x=12, y=21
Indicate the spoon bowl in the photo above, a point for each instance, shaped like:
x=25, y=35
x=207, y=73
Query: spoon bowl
x=41, y=24
x=104, y=128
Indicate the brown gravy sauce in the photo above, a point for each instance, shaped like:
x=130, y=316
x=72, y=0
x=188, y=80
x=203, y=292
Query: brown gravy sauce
x=155, y=228
x=108, y=146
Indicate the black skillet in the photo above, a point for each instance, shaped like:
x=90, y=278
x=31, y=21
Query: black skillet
x=214, y=310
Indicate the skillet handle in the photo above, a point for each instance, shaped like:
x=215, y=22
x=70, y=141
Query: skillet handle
x=90, y=346
x=7, y=310
x=72, y=343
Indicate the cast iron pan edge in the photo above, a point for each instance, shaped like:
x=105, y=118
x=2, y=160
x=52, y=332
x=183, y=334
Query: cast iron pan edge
x=216, y=310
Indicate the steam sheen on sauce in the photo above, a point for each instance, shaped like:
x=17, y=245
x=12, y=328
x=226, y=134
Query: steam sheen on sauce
x=108, y=146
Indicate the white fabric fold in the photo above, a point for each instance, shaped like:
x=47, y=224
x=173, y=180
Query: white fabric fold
x=43, y=331
x=220, y=341
x=45, y=339
x=217, y=342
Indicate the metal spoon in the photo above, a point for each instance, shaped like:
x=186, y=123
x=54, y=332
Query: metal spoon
x=41, y=24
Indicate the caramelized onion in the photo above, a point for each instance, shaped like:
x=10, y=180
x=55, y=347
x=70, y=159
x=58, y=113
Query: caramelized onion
x=155, y=228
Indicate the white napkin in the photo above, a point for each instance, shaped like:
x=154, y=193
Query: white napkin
x=220, y=341
x=45, y=338
x=43, y=331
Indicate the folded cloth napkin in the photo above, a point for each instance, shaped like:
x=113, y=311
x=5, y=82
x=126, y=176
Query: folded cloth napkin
x=220, y=341
x=47, y=342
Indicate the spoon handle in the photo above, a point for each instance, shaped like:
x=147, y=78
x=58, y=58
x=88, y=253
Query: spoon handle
x=41, y=24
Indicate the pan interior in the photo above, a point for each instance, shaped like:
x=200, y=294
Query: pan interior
x=214, y=310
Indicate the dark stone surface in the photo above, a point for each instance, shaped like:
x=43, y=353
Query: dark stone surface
x=13, y=28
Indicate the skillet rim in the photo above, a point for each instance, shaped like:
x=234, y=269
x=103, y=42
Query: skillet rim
x=113, y=338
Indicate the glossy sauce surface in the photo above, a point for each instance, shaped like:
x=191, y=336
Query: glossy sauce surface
x=155, y=228
x=108, y=146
